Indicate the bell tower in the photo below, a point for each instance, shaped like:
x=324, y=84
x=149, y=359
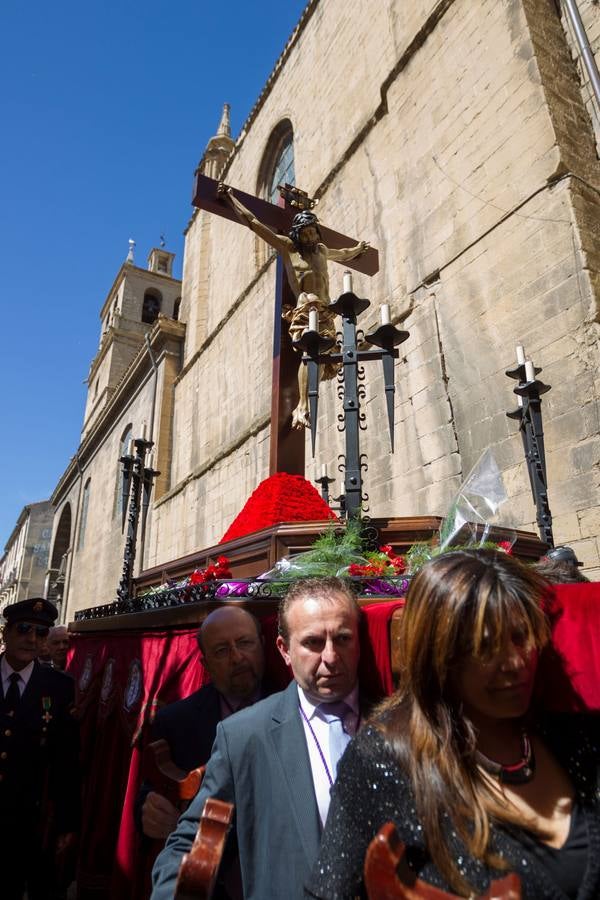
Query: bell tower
x=132, y=306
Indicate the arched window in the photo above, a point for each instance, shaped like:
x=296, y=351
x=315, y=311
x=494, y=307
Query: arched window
x=283, y=170
x=123, y=447
x=62, y=538
x=176, y=308
x=277, y=167
x=85, y=502
x=151, y=307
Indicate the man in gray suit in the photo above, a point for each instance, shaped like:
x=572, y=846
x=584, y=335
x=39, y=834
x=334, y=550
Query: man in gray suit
x=277, y=760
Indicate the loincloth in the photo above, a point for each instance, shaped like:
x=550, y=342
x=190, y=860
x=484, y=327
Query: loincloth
x=298, y=319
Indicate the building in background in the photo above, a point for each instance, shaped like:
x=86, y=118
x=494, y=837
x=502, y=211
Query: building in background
x=130, y=391
x=25, y=559
x=460, y=139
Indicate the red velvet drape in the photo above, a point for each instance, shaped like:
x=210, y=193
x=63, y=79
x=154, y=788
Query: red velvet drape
x=569, y=672
x=113, y=735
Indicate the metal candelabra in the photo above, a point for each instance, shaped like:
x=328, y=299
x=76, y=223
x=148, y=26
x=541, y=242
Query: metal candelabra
x=324, y=481
x=351, y=389
x=137, y=480
x=529, y=416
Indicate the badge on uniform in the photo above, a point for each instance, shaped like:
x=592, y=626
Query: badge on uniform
x=47, y=715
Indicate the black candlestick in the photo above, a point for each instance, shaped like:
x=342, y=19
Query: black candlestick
x=352, y=420
x=137, y=486
x=529, y=416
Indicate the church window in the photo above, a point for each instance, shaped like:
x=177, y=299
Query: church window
x=283, y=172
x=176, y=308
x=85, y=502
x=277, y=168
x=151, y=307
x=278, y=161
x=123, y=448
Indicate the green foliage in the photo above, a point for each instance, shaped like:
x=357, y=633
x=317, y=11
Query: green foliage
x=447, y=527
x=421, y=552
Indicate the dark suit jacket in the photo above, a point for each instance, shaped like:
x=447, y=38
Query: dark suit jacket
x=39, y=749
x=189, y=727
x=259, y=762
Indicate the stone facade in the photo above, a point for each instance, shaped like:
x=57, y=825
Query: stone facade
x=138, y=362
x=458, y=138
x=475, y=174
x=25, y=559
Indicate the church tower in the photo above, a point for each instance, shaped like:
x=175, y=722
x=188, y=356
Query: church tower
x=218, y=148
x=135, y=301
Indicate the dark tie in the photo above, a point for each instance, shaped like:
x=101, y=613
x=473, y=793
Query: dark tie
x=13, y=694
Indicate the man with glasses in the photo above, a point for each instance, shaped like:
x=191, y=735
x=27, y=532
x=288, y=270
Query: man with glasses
x=39, y=756
x=232, y=650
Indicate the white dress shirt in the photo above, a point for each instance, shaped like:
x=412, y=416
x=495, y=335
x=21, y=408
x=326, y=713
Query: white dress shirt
x=321, y=733
x=24, y=675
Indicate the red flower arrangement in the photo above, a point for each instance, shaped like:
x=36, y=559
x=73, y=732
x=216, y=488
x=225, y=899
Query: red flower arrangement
x=506, y=546
x=383, y=563
x=280, y=498
x=220, y=569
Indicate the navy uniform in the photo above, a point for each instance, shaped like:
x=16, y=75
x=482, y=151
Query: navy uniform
x=39, y=755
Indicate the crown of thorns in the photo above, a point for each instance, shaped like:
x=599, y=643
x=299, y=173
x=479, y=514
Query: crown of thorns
x=302, y=220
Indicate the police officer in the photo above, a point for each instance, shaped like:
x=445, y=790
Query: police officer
x=39, y=756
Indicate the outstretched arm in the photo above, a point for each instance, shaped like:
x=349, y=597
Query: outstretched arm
x=281, y=243
x=348, y=252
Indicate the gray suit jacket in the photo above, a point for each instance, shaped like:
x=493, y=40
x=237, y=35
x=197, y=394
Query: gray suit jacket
x=260, y=763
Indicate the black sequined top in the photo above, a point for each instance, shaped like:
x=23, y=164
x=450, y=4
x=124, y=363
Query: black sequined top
x=371, y=790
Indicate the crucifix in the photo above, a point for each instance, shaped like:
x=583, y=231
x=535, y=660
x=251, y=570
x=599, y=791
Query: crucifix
x=302, y=285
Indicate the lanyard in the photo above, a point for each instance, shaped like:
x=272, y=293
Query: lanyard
x=319, y=748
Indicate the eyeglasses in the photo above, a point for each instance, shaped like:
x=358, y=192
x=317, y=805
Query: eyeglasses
x=41, y=631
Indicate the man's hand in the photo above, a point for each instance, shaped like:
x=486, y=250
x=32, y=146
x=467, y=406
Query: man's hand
x=363, y=246
x=223, y=190
x=159, y=816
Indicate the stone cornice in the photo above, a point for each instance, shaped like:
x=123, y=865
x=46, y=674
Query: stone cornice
x=127, y=337
x=140, y=367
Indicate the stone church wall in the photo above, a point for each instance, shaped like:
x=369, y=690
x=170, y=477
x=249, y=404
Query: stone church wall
x=92, y=574
x=454, y=137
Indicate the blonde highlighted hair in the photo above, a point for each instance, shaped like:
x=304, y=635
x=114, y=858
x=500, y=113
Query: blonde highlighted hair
x=461, y=604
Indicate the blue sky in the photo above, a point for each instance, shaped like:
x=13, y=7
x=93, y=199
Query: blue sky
x=106, y=109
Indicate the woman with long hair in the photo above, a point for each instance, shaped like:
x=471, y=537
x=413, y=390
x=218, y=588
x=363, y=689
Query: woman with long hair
x=477, y=781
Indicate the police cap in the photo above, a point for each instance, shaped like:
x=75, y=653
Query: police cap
x=35, y=609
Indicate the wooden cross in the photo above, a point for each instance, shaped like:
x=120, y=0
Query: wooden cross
x=287, y=445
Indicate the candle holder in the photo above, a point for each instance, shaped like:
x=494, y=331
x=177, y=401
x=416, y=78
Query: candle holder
x=315, y=347
x=529, y=416
x=137, y=480
x=351, y=388
x=324, y=481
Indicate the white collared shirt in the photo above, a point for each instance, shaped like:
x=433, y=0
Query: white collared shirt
x=24, y=675
x=321, y=732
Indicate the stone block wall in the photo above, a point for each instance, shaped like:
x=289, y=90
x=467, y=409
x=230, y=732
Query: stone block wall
x=455, y=137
